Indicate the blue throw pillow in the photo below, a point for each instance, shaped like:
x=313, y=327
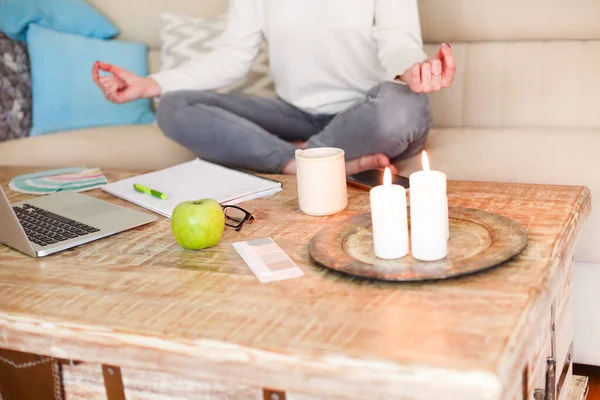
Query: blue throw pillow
x=71, y=16
x=64, y=94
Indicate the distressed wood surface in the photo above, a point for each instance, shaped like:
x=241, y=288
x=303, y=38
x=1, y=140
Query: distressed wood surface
x=478, y=240
x=140, y=301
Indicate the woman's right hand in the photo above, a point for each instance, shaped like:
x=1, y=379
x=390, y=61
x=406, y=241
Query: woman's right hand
x=123, y=86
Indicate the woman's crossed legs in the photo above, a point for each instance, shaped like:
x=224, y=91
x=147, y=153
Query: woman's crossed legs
x=258, y=133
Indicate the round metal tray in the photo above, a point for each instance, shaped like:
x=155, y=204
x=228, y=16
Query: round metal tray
x=478, y=240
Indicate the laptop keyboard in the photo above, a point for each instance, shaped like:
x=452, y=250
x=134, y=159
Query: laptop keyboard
x=43, y=227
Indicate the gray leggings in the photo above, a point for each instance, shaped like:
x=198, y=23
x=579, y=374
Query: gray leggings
x=255, y=133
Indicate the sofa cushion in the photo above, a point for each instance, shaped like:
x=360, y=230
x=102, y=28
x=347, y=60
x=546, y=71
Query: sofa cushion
x=138, y=20
x=64, y=94
x=546, y=156
x=128, y=146
x=441, y=20
x=71, y=16
x=522, y=84
x=153, y=61
x=477, y=20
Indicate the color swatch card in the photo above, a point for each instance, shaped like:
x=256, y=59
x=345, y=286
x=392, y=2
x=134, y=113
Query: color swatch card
x=267, y=261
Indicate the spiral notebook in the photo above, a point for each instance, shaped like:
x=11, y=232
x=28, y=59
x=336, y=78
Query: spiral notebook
x=194, y=180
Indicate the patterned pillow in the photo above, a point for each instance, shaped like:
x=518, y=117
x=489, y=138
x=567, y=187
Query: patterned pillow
x=185, y=38
x=15, y=89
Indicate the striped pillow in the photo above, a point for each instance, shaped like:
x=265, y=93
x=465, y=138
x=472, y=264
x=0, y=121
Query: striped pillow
x=186, y=38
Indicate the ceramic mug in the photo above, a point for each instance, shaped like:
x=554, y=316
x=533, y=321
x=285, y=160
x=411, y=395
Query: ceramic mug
x=321, y=174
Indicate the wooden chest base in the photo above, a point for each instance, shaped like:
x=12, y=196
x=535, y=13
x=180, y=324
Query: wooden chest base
x=84, y=382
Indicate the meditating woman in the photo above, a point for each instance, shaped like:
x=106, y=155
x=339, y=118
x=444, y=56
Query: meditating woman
x=348, y=74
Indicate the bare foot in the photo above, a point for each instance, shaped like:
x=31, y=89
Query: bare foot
x=372, y=161
x=302, y=145
x=289, y=168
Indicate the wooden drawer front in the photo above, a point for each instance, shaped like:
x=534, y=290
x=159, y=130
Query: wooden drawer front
x=541, y=350
x=84, y=382
x=563, y=318
x=563, y=394
x=554, y=339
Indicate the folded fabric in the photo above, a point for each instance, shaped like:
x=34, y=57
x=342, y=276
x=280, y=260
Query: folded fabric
x=15, y=89
x=71, y=16
x=65, y=96
x=58, y=180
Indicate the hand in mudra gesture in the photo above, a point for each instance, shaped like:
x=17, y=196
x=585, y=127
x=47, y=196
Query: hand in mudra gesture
x=435, y=73
x=123, y=86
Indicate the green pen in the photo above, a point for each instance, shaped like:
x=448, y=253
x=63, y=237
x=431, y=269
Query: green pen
x=151, y=192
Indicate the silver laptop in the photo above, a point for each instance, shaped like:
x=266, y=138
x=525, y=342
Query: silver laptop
x=48, y=224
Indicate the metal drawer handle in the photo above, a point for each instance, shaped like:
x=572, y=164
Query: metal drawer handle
x=538, y=394
x=550, y=379
x=549, y=392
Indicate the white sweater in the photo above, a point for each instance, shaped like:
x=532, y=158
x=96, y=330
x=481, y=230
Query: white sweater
x=324, y=54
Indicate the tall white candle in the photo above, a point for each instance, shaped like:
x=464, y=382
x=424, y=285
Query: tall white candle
x=389, y=218
x=428, y=214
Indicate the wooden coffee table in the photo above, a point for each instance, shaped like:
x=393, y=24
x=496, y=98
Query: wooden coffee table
x=199, y=324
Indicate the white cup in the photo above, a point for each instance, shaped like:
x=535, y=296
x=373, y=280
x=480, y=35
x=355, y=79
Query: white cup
x=321, y=180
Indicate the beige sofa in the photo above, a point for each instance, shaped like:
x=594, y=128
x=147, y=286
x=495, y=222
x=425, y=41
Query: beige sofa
x=523, y=109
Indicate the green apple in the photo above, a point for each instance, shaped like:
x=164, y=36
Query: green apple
x=198, y=224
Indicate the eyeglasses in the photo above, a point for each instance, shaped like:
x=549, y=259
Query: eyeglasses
x=236, y=216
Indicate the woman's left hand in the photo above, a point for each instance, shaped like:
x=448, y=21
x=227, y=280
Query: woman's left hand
x=433, y=74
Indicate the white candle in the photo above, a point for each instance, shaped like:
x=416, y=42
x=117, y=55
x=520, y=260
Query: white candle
x=389, y=219
x=428, y=214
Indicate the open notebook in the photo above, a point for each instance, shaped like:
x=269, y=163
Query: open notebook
x=193, y=180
